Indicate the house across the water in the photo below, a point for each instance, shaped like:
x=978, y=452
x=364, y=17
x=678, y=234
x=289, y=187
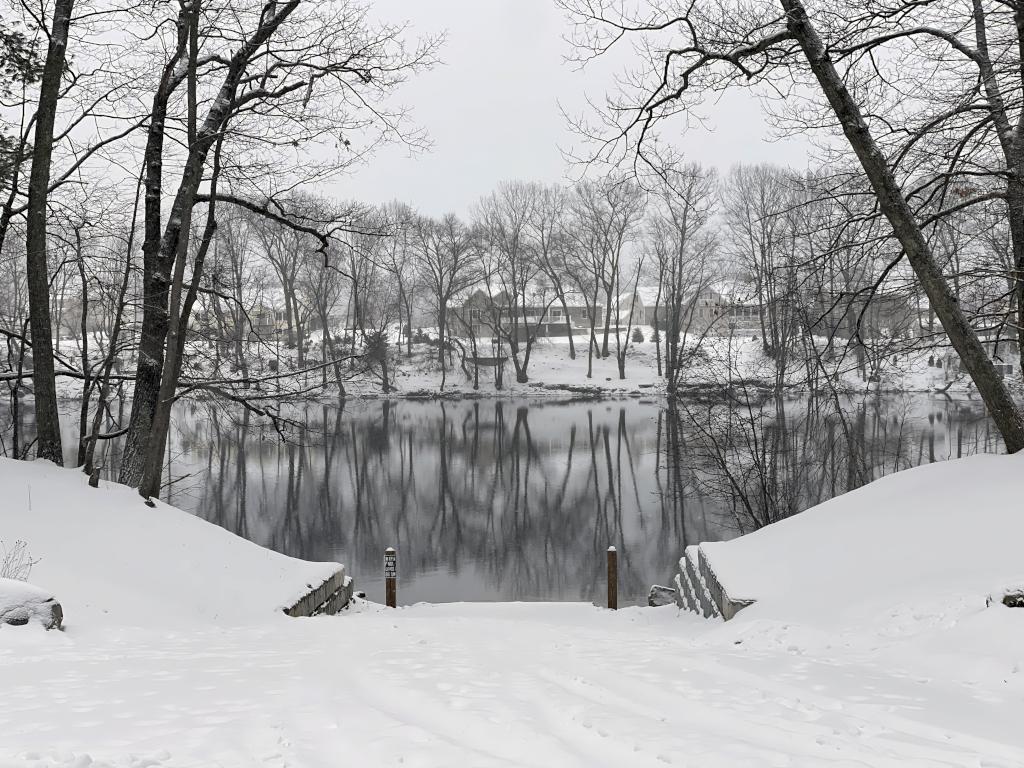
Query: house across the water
x=481, y=314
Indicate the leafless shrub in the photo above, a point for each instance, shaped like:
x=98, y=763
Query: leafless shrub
x=16, y=563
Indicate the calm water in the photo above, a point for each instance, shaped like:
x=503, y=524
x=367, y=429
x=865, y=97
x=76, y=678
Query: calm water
x=518, y=500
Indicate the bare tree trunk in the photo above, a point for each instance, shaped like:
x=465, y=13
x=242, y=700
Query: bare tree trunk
x=87, y=384
x=1015, y=206
x=155, y=280
x=108, y=363
x=173, y=243
x=179, y=314
x=442, y=322
x=300, y=334
x=1004, y=411
x=48, y=444
x=608, y=320
x=592, y=340
x=568, y=325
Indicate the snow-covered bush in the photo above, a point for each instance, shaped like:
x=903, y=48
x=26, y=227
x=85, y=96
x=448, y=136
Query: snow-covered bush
x=638, y=336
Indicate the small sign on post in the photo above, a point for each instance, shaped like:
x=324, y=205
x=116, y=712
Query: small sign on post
x=613, y=578
x=390, y=577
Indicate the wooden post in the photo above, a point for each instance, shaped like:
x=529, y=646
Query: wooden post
x=390, y=577
x=613, y=578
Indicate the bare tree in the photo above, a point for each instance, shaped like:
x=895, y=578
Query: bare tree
x=276, y=71
x=767, y=43
x=754, y=201
x=284, y=249
x=551, y=248
x=505, y=224
x=399, y=221
x=48, y=442
x=448, y=258
x=682, y=253
x=606, y=218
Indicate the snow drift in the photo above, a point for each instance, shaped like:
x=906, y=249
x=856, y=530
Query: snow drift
x=946, y=533
x=111, y=559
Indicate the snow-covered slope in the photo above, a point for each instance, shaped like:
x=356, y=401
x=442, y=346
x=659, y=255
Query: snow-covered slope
x=110, y=559
x=937, y=536
x=927, y=676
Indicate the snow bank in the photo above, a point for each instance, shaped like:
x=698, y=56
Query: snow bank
x=915, y=671
x=936, y=540
x=110, y=559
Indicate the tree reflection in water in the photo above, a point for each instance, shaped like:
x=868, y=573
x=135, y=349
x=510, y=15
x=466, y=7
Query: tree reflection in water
x=515, y=500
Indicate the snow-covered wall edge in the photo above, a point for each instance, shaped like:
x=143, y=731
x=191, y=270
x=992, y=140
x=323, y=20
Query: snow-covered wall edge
x=327, y=598
x=699, y=589
x=727, y=606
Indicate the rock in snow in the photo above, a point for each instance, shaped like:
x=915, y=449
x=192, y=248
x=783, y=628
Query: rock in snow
x=1014, y=599
x=21, y=603
x=660, y=595
x=1011, y=597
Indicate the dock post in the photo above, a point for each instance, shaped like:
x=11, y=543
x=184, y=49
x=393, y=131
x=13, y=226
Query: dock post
x=613, y=579
x=390, y=577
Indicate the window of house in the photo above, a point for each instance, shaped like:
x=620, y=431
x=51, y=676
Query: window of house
x=556, y=313
x=474, y=317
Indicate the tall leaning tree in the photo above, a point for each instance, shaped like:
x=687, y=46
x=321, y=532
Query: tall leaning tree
x=48, y=443
x=827, y=63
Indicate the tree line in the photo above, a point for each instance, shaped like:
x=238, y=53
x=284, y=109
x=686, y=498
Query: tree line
x=801, y=247
x=151, y=184
x=172, y=113
x=918, y=102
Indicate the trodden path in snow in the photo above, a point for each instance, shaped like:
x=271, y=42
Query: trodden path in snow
x=476, y=685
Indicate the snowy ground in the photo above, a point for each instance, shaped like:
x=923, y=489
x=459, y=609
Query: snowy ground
x=721, y=359
x=903, y=666
x=482, y=685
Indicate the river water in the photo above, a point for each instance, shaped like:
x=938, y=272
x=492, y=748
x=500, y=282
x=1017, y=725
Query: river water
x=519, y=500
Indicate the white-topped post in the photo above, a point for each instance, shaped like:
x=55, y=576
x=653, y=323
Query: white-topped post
x=613, y=578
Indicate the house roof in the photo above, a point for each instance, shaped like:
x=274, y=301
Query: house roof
x=648, y=294
x=538, y=295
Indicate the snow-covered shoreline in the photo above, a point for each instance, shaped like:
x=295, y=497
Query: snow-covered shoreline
x=723, y=362
x=166, y=661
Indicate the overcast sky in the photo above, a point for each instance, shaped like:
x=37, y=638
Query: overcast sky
x=492, y=109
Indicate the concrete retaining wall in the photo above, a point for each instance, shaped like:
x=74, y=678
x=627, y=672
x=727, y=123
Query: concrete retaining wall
x=727, y=606
x=327, y=598
x=698, y=588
